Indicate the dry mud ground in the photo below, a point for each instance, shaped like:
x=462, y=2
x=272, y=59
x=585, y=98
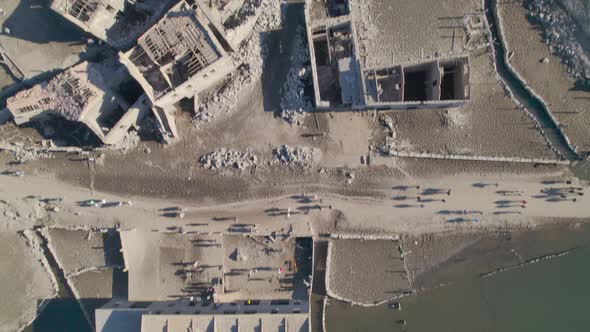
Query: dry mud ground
x=77, y=250
x=490, y=124
x=549, y=80
x=365, y=271
x=266, y=257
x=24, y=283
x=171, y=175
x=424, y=29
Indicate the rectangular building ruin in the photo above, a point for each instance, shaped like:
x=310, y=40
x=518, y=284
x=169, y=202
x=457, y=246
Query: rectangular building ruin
x=79, y=94
x=93, y=16
x=185, y=53
x=341, y=83
x=441, y=82
x=185, y=315
x=334, y=66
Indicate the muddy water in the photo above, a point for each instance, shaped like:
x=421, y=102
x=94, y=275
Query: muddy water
x=550, y=295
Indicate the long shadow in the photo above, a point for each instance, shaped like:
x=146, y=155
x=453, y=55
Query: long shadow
x=62, y=314
x=63, y=132
x=41, y=25
x=65, y=314
x=279, y=44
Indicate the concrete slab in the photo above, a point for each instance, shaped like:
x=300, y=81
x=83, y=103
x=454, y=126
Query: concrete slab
x=77, y=250
x=170, y=265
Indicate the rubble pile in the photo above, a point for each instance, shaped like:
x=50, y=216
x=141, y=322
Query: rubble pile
x=251, y=55
x=390, y=134
x=560, y=34
x=224, y=158
x=24, y=154
x=294, y=103
x=298, y=155
x=247, y=10
x=387, y=122
x=129, y=142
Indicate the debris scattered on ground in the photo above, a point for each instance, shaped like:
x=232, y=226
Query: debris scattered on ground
x=294, y=103
x=251, y=55
x=298, y=155
x=247, y=11
x=129, y=142
x=224, y=158
x=23, y=154
x=560, y=33
x=387, y=122
x=349, y=177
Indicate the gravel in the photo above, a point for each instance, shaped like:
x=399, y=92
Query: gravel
x=297, y=155
x=559, y=32
x=224, y=158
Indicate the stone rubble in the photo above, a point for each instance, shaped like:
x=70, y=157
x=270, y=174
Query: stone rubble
x=294, y=104
x=129, y=142
x=224, y=158
x=297, y=155
x=387, y=122
x=250, y=55
x=560, y=34
x=24, y=155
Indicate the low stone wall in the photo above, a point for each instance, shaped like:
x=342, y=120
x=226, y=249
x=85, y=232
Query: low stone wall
x=404, y=154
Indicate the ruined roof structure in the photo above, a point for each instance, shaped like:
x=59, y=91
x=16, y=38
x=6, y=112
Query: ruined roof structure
x=341, y=80
x=78, y=94
x=183, y=54
x=180, y=56
x=93, y=16
x=68, y=94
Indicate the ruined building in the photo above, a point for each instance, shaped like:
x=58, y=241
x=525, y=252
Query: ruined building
x=184, y=315
x=183, y=54
x=79, y=94
x=341, y=82
x=93, y=16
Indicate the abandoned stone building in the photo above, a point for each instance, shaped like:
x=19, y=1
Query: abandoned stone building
x=79, y=94
x=340, y=82
x=440, y=82
x=93, y=16
x=185, y=315
x=183, y=54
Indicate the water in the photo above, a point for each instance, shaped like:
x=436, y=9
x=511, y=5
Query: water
x=63, y=315
x=544, y=297
x=547, y=296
